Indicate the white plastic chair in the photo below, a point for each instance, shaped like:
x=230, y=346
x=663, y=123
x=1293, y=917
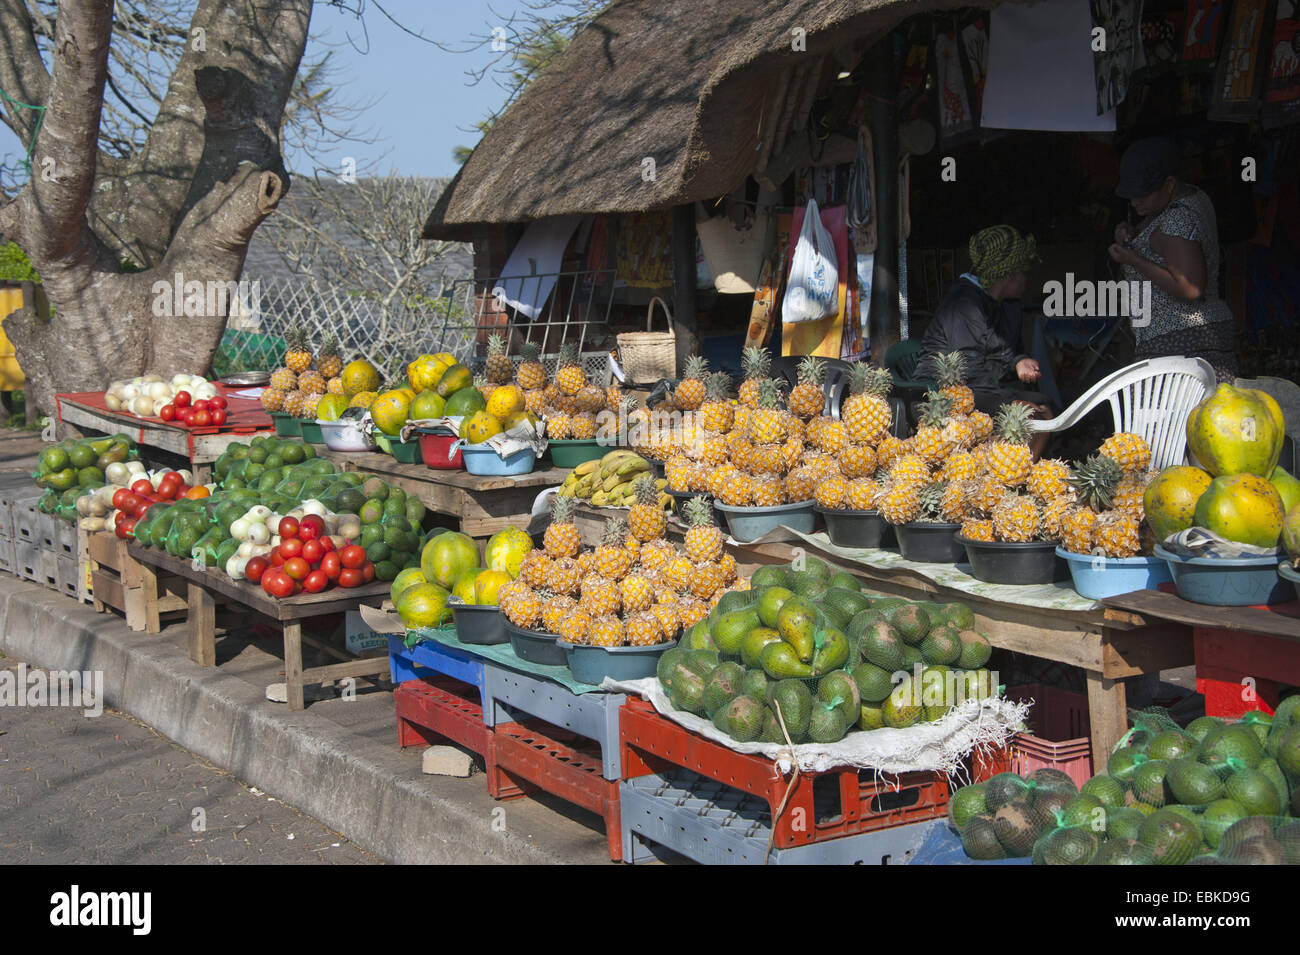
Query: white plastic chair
x=1152, y=398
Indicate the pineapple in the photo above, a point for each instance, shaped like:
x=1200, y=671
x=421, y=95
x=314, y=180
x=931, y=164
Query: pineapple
x=756, y=363
x=717, y=414
x=766, y=422
x=831, y=493
x=930, y=442
x=735, y=490
x=830, y=437
x=298, y=358
x=1116, y=535
x=911, y=469
x=866, y=411
x=1097, y=480
x=616, y=401
x=977, y=529
x=1016, y=519
x=1131, y=494
x=555, y=610
x=328, y=362
x=1130, y=451
x=677, y=572
x=523, y=608
x=983, y=494
x=637, y=593
x=535, y=570
x=703, y=538
x=950, y=369
x=807, y=398
x=613, y=560
x=283, y=379
x=531, y=375
x=981, y=424
x=570, y=378
x=800, y=484
x=952, y=505
x=888, y=450
x=691, y=391
x=767, y=459
x=293, y=403
x=931, y=497
x=961, y=466
x=862, y=495
x=1049, y=479
x=1008, y=459
x=670, y=619
x=1077, y=528
x=312, y=383
x=858, y=460
x=273, y=399
x=564, y=576
x=561, y=538
x=679, y=473
x=730, y=569
x=643, y=629
x=310, y=404
x=606, y=631
x=334, y=386
x=899, y=502
x=646, y=518
x=583, y=426
x=575, y=627
x=500, y=369
x=559, y=426
x=656, y=553
x=599, y=596
x=692, y=611
x=590, y=399
x=768, y=490
x=706, y=580
x=1054, y=513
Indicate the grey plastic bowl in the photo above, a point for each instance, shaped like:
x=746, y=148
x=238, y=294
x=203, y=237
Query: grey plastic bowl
x=856, y=528
x=593, y=664
x=1228, y=581
x=481, y=625
x=930, y=543
x=535, y=646
x=1287, y=572
x=750, y=523
x=1003, y=562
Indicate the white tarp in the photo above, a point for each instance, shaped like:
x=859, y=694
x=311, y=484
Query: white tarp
x=538, y=253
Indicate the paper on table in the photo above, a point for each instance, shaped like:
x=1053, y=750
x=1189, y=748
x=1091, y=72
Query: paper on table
x=247, y=393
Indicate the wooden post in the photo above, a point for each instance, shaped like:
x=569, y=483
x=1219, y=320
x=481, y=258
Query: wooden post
x=684, y=324
x=1107, y=716
x=202, y=620
x=882, y=120
x=293, y=664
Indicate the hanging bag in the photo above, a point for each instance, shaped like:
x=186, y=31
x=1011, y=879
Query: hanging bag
x=812, y=292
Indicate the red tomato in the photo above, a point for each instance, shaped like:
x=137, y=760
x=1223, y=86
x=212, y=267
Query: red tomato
x=315, y=582
x=312, y=552
x=182, y=399
x=290, y=547
x=202, y=419
x=326, y=542
x=119, y=517
x=126, y=529
x=350, y=577
x=168, y=489
x=353, y=556
x=311, y=528
x=120, y=496
x=288, y=527
x=367, y=571
x=167, y=412
x=297, y=568
x=143, y=486
x=174, y=476
x=142, y=504
x=218, y=401
x=331, y=565
x=255, y=568
x=218, y=415
x=281, y=585
x=276, y=559
x=200, y=405
x=185, y=415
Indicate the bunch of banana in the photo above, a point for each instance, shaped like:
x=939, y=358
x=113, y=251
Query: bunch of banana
x=608, y=481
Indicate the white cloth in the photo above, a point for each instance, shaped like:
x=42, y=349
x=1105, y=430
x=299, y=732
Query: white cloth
x=538, y=253
x=1040, y=69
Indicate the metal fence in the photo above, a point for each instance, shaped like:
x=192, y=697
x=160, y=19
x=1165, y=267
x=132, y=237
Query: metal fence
x=458, y=321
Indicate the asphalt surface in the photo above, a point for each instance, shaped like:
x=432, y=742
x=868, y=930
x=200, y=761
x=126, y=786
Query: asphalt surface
x=109, y=790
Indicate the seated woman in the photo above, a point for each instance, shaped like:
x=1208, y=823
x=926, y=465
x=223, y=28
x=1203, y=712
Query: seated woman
x=969, y=320
x=1175, y=246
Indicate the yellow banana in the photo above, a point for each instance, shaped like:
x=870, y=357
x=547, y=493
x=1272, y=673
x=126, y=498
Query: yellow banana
x=599, y=499
x=639, y=466
x=586, y=467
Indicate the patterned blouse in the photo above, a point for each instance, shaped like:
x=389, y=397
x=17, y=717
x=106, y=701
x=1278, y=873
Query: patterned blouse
x=1188, y=217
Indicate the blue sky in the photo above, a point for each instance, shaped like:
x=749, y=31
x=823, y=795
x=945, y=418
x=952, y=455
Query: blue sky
x=422, y=106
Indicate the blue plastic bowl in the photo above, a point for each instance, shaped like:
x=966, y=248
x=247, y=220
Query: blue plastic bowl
x=1100, y=577
x=1228, y=581
x=484, y=460
x=592, y=664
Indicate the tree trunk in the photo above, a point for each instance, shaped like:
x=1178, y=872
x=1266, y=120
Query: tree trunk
x=186, y=205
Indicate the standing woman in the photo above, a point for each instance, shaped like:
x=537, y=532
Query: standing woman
x=1174, y=245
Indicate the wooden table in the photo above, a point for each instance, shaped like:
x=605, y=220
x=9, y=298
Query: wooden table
x=1108, y=644
x=1244, y=655
x=200, y=447
x=484, y=505
x=203, y=587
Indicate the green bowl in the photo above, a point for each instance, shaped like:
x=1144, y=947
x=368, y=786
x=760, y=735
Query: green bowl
x=311, y=431
x=406, y=452
x=569, y=454
x=286, y=426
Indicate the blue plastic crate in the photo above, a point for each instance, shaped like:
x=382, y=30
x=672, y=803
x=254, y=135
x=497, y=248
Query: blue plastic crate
x=942, y=846
x=713, y=824
x=414, y=663
x=593, y=715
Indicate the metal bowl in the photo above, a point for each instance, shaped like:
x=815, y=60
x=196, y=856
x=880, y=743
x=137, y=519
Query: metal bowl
x=246, y=379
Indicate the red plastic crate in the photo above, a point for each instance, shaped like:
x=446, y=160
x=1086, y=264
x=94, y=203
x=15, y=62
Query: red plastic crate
x=858, y=800
x=436, y=709
x=1060, y=732
x=1239, y=672
x=524, y=755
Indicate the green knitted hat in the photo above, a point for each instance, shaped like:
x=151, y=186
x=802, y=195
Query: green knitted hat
x=999, y=251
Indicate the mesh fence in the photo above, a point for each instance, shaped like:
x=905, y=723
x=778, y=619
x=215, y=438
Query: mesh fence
x=389, y=336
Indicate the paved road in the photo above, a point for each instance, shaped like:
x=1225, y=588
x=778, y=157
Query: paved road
x=109, y=790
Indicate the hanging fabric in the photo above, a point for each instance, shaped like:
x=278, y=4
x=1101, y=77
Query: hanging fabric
x=1282, y=92
x=1120, y=22
x=975, y=48
x=859, y=199
x=1204, y=19
x=955, y=116
x=734, y=255
x=1238, y=80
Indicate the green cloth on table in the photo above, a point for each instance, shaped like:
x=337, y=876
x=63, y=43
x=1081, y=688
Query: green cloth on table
x=503, y=654
x=1058, y=596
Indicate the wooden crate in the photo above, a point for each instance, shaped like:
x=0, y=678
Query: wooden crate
x=117, y=582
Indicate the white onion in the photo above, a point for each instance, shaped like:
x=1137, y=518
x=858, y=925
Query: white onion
x=117, y=473
x=160, y=389
x=259, y=533
x=142, y=405
x=186, y=476
x=180, y=380
x=313, y=506
x=150, y=379
x=83, y=505
x=239, y=529
x=113, y=402
x=129, y=392
x=159, y=404
x=135, y=467
x=258, y=512
x=205, y=390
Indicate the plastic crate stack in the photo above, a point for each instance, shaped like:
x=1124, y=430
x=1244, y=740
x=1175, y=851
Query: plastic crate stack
x=35, y=546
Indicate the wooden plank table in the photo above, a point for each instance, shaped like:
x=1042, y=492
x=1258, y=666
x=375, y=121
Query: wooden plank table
x=203, y=588
x=1108, y=644
x=200, y=447
x=483, y=504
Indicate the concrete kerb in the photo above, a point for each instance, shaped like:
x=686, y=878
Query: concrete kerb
x=311, y=763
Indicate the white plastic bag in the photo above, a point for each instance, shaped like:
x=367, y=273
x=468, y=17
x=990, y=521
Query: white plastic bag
x=812, y=291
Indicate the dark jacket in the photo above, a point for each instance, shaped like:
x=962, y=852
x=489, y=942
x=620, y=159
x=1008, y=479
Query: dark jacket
x=970, y=321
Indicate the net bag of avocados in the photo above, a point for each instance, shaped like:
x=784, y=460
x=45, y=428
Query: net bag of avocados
x=1006, y=815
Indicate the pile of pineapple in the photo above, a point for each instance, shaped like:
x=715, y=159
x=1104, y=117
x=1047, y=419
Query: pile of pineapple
x=635, y=589
x=569, y=403
x=297, y=388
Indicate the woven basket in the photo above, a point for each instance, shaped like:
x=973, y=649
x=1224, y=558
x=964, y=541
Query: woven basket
x=648, y=356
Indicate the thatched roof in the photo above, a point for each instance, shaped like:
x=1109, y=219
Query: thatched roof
x=708, y=89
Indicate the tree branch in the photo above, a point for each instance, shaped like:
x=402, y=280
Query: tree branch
x=22, y=72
